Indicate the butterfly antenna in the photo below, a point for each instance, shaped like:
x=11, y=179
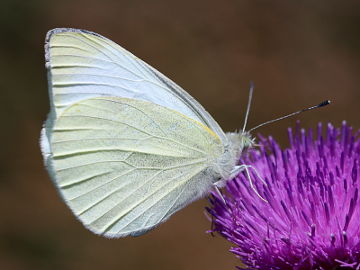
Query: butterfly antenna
x=322, y=104
x=248, y=105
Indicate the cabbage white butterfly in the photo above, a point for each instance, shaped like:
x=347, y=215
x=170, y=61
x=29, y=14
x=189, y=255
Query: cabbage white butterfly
x=125, y=146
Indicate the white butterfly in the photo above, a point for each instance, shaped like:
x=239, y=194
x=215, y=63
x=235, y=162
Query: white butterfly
x=125, y=146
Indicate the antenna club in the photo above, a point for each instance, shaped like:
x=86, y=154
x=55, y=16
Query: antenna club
x=324, y=103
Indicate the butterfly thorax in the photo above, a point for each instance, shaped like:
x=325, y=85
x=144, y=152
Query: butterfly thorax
x=238, y=142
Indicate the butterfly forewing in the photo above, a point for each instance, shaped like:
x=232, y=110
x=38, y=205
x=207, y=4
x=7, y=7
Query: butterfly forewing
x=83, y=64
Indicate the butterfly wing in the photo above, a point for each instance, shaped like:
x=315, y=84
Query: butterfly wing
x=83, y=64
x=123, y=165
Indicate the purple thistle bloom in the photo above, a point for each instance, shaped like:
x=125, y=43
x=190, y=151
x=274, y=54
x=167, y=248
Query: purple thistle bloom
x=312, y=218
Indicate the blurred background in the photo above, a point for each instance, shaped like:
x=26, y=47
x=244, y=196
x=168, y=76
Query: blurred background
x=298, y=53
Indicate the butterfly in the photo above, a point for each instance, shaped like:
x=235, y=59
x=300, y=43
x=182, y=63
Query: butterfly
x=125, y=146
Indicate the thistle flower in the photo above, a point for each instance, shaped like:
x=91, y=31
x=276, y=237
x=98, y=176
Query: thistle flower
x=311, y=219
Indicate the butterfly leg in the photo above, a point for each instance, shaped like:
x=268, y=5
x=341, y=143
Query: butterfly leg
x=217, y=186
x=245, y=167
x=234, y=173
x=257, y=174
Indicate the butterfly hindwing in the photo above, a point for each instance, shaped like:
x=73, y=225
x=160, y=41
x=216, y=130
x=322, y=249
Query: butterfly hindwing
x=123, y=165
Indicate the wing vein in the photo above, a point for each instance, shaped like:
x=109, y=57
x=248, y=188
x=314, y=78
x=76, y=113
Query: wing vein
x=159, y=137
x=84, y=152
x=69, y=185
x=129, y=195
x=133, y=107
x=125, y=53
x=55, y=66
x=102, y=53
x=159, y=199
x=94, y=163
x=103, y=184
x=115, y=191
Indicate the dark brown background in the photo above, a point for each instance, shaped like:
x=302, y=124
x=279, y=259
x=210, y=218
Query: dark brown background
x=296, y=53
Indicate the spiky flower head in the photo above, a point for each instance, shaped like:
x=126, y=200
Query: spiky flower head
x=311, y=219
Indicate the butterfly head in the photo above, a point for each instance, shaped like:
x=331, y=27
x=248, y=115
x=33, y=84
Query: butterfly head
x=240, y=141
